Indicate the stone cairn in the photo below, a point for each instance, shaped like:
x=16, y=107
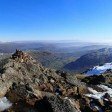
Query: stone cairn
x=20, y=56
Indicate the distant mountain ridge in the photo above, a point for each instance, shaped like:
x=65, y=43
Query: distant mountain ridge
x=98, y=57
x=56, y=55
x=9, y=47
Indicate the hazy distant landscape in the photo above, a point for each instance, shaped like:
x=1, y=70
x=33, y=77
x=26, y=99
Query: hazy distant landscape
x=67, y=56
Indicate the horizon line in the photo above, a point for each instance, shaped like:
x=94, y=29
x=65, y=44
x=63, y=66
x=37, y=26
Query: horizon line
x=70, y=40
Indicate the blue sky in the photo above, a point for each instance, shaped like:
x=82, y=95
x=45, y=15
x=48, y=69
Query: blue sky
x=85, y=20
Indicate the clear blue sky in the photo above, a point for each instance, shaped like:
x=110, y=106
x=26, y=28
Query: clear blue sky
x=87, y=20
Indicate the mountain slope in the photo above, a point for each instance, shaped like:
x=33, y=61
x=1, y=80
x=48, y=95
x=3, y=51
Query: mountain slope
x=29, y=86
x=91, y=59
x=51, y=59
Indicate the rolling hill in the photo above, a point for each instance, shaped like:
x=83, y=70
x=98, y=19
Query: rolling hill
x=51, y=59
x=89, y=60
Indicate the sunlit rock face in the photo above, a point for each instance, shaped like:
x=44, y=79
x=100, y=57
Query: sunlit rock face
x=4, y=104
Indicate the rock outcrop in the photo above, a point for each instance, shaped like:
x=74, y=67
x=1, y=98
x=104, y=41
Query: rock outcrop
x=27, y=86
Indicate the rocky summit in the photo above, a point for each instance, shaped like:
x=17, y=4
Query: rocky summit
x=27, y=86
